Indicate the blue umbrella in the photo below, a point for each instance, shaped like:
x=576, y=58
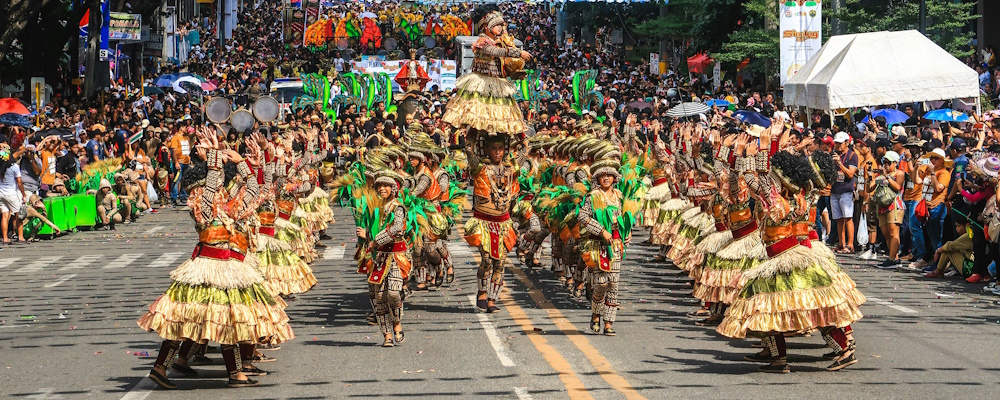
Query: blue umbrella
x=946, y=114
x=752, y=118
x=166, y=80
x=892, y=116
x=15, y=120
x=718, y=103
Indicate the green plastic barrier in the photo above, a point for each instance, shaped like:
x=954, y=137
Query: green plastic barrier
x=55, y=208
x=84, y=207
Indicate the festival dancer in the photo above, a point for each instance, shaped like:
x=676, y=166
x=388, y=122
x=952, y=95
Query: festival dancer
x=604, y=244
x=790, y=291
x=387, y=257
x=485, y=106
x=284, y=272
x=427, y=188
x=214, y=297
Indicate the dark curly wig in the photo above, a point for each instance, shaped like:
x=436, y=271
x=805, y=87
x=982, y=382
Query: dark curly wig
x=197, y=171
x=795, y=167
x=231, y=172
x=824, y=161
x=705, y=152
x=481, y=11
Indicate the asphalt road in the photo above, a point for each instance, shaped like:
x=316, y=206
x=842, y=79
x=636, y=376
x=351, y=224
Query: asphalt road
x=68, y=309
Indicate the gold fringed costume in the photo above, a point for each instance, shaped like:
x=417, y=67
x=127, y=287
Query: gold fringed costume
x=215, y=295
x=790, y=291
x=485, y=99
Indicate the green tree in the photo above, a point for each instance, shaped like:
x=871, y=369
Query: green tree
x=755, y=39
x=948, y=22
x=678, y=23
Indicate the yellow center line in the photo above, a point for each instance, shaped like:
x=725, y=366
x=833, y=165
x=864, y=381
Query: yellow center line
x=601, y=364
x=574, y=386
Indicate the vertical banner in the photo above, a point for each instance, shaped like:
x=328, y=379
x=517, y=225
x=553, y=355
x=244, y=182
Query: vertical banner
x=654, y=63
x=717, y=76
x=449, y=72
x=801, y=30
x=293, y=20
x=312, y=8
x=104, y=50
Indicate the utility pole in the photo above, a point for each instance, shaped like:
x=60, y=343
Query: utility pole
x=835, y=22
x=923, y=17
x=664, y=51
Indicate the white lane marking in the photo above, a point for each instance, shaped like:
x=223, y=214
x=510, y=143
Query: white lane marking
x=334, y=253
x=892, y=306
x=122, y=261
x=38, y=264
x=942, y=295
x=13, y=326
x=141, y=390
x=459, y=249
x=61, y=280
x=522, y=393
x=8, y=261
x=491, y=334
x=82, y=261
x=165, y=260
x=152, y=230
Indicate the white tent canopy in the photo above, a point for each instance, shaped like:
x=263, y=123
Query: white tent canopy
x=879, y=68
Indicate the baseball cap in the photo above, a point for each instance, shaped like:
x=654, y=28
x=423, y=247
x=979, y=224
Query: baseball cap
x=957, y=144
x=900, y=139
x=892, y=156
x=828, y=140
x=841, y=137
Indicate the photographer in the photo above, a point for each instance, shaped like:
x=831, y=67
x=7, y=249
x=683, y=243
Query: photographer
x=886, y=190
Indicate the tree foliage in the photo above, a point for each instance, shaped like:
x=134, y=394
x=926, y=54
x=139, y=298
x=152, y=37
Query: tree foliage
x=948, y=22
x=678, y=23
x=755, y=38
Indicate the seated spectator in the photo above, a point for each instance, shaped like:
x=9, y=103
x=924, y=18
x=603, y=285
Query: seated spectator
x=58, y=188
x=126, y=199
x=35, y=209
x=954, y=253
x=107, y=210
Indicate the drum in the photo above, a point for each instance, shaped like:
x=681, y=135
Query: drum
x=241, y=120
x=265, y=109
x=218, y=110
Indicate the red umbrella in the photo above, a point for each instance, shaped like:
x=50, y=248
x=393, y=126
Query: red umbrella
x=11, y=105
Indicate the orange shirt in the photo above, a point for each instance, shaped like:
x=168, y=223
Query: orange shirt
x=181, y=147
x=48, y=168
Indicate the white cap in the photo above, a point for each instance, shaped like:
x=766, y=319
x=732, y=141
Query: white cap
x=145, y=123
x=841, y=137
x=892, y=156
x=938, y=152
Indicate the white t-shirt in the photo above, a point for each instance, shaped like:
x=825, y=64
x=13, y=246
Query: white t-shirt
x=8, y=185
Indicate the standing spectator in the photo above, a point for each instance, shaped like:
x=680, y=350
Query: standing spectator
x=180, y=147
x=917, y=168
x=866, y=174
x=11, y=191
x=935, y=189
x=95, y=146
x=842, y=191
x=890, y=180
x=48, y=147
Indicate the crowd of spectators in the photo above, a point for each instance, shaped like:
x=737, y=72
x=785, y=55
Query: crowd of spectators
x=902, y=193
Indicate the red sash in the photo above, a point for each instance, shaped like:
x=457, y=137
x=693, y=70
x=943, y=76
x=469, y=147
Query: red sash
x=781, y=246
x=201, y=250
